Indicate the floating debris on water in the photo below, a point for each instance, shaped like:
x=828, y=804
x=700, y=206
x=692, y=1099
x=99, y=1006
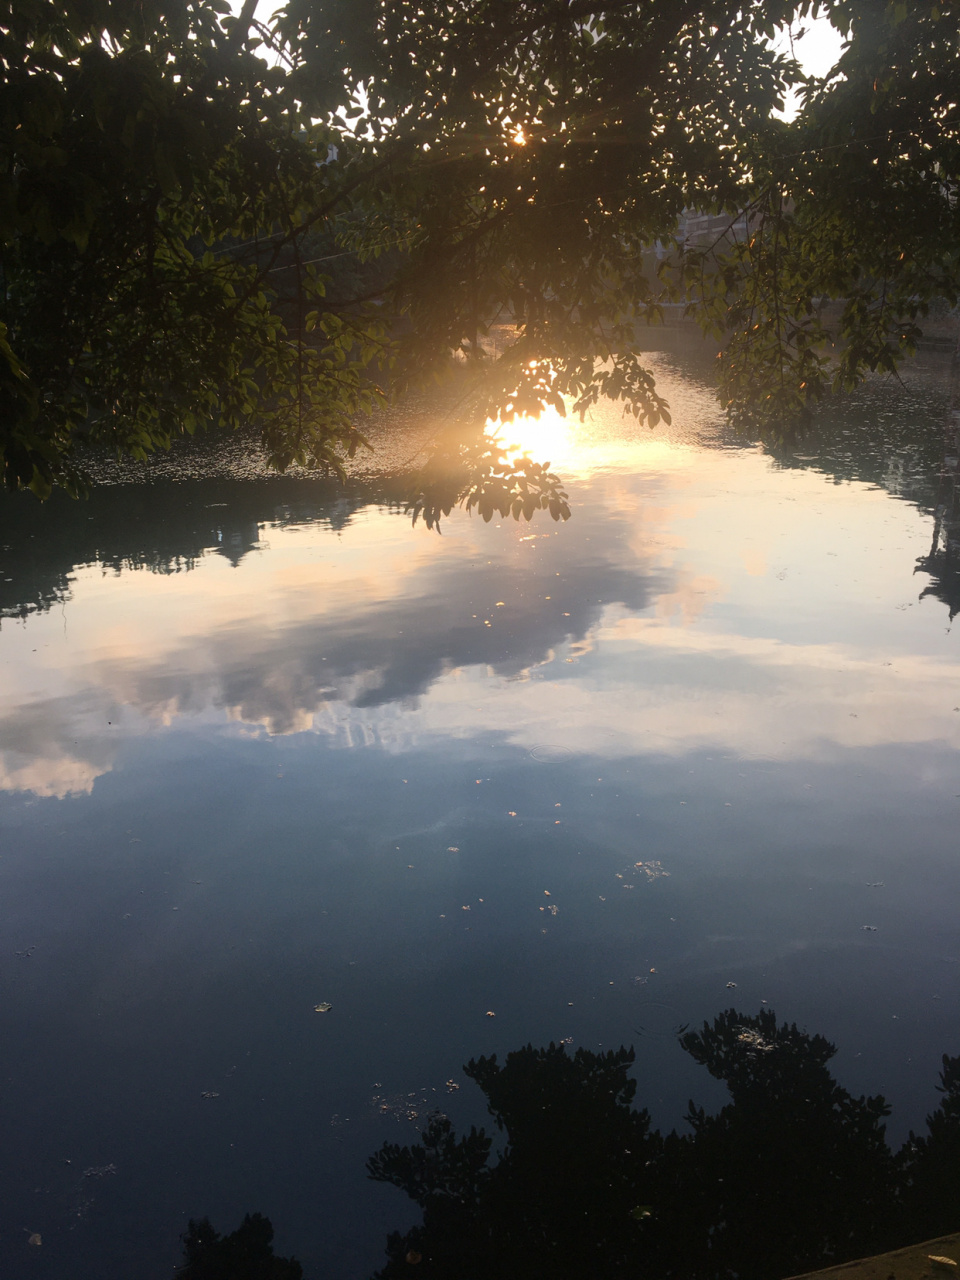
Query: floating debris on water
x=323, y=1007
x=415, y=1105
x=754, y=1040
x=491, y=1014
x=451, y=1085
x=209, y=1093
x=400, y=1110
x=869, y=928
x=652, y=870
x=34, y=1239
x=731, y=985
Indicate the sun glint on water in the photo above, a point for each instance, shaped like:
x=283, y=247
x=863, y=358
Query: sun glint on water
x=550, y=438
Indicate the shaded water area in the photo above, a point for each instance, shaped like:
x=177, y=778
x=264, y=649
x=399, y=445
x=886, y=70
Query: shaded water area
x=265, y=748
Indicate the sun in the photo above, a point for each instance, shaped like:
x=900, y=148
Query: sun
x=549, y=438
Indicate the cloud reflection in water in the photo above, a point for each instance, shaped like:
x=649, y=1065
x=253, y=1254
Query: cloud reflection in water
x=699, y=598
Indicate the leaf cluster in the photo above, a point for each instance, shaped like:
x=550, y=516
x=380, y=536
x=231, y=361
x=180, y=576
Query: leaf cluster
x=156, y=185
x=852, y=230
x=479, y=474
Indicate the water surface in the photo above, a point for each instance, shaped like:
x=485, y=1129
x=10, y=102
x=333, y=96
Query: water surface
x=263, y=747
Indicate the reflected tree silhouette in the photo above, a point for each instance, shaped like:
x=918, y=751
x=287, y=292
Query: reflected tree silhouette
x=942, y=564
x=245, y=1254
x=929, y=1166
x=566, y=1197
x=794, y=1173
x=166, y=526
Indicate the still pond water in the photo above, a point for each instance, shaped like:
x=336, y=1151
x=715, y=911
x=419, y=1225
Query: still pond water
x=264, y=747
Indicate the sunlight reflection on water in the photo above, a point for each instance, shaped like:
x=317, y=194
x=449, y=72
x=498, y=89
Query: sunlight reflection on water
x=607, y=441
x=263, y=743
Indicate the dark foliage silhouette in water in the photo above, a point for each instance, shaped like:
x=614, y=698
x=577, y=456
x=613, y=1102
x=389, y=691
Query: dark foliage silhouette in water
x=563, y=1197
x=794, y=1171
x=930, y=1165
x=792, y=1174
x=245, y=1254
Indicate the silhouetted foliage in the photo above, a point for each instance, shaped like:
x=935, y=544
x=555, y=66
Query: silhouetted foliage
x=792, y=1174
x=930, y=1165
x=561, y=1199
x=477, y=473
x=246, y=1254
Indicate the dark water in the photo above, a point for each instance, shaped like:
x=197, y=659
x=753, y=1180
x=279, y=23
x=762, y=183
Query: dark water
x=265, y=747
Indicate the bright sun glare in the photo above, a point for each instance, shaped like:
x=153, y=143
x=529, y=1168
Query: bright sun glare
x=601, y=443
x=549, y=438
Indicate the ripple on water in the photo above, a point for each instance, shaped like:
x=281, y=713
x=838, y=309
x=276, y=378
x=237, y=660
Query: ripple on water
x=546, y=753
